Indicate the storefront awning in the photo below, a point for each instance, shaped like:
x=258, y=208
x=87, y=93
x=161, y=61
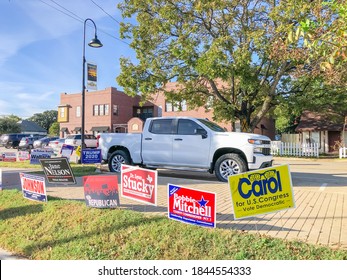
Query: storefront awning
x=99, y=128
x=64, y=129
x=78, y=128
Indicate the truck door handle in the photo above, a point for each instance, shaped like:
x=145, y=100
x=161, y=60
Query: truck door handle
x=148, y=138
x=178, y=139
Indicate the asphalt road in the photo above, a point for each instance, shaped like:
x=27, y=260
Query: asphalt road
x=313, y=173
x=306, y=172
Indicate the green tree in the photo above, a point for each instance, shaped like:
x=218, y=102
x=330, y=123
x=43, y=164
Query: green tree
x=9, y=124
x=322, y=30
x=54, y=129
x=230, y=54
x=45, y=119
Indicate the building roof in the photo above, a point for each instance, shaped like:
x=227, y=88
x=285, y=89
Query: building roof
x=313, y=121
x=30, y=127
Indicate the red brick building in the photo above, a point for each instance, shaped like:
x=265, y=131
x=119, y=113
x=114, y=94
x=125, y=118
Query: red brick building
x=111, y=110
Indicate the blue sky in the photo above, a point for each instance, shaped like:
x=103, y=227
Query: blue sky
x=41, y=51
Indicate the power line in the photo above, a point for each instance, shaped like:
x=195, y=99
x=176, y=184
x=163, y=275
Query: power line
x=105, y=11
x=69, y=15
x=74, y=16
x=67, y=10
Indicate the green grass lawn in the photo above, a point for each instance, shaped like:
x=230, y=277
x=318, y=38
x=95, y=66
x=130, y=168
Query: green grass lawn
x=65, y=230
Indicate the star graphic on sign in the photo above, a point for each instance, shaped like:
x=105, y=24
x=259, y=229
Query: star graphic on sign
x=202, y=202
x=149, y=179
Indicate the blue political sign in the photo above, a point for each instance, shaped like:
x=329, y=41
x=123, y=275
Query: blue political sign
x=91, y=156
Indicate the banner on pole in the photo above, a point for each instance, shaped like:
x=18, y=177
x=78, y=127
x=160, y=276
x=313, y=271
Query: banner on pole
x=92, y=76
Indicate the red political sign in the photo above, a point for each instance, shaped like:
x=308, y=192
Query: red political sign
x=192, y=206
x=101, y=191
x=9, y=156
x=139, y=184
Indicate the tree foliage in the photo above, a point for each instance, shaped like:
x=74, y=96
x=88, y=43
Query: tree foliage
x=9, y=124
x=320, y=31
x=54, y=129
x=231, y=54
x=45, y=119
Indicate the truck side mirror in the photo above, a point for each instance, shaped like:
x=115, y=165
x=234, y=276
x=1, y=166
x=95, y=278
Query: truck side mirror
x=202, y=132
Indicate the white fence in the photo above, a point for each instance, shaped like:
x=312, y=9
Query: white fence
x=343, y=152
x=279, y=148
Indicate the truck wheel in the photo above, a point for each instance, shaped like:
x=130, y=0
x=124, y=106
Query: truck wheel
x=117, y=159
x=229, y=164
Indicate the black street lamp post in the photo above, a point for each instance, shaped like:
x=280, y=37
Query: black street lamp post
x=95, y=43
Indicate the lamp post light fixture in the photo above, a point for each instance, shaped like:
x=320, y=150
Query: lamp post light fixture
x=94, y=43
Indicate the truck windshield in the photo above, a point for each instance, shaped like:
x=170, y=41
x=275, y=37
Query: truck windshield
x=211, y=125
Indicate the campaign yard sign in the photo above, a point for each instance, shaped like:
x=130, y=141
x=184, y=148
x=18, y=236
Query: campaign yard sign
x=139, y=184
x=23, y=155
x=33, y=187
x=90, y=156
x=66, y=150
x=101, y=191
x=192, y=206
x=58, y=170
x=262, y=191
x=37, y=154
x=9, y=156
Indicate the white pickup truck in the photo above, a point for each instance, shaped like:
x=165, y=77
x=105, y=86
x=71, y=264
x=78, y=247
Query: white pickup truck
x=186, y=143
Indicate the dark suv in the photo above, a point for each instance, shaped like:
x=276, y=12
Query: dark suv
x=12, y=140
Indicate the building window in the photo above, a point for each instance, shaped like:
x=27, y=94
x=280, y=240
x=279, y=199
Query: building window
x=101, y=110
x=168, y=106
x=78, y=111
x=106, y=109
x=184, y=105
x=62, y=112
x=175, y=106
x=115, y=110
x=209, y=103
x=96, y=110
x=143, y=112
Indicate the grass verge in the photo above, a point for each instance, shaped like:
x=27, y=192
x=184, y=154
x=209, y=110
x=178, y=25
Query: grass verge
x=68, y=230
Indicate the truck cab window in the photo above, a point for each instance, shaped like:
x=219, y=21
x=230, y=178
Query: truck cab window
x=161, y=126
x=187, y=127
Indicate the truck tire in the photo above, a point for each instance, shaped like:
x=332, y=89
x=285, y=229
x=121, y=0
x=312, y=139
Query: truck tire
x=229, y=164
x=116, y=159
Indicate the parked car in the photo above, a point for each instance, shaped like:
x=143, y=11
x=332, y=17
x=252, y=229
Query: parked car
x=11, y=140
x=43, y=142
x=27, y=143
x=75, y=140
x=56, y=145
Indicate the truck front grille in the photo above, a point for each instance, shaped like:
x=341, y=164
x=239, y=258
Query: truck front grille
x=266, y=151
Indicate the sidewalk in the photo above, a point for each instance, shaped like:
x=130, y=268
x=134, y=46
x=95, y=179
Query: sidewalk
x=5, y=255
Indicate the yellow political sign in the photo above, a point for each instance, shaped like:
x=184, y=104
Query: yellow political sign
x=78, y=151
x=261, y=191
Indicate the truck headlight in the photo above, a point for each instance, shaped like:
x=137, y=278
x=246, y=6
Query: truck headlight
x=255, y=141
